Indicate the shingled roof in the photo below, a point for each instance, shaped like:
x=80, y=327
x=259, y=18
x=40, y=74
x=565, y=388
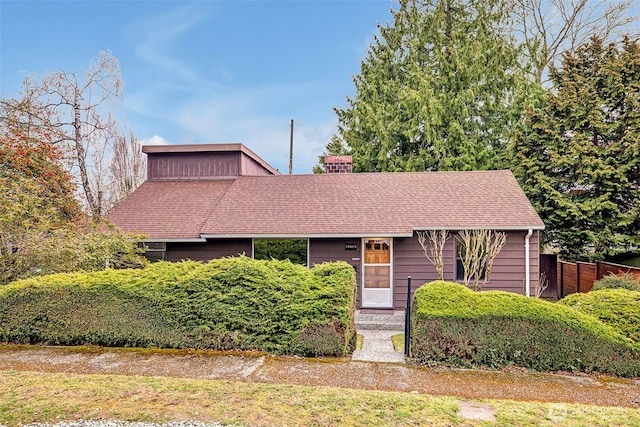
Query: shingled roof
x=327, y=205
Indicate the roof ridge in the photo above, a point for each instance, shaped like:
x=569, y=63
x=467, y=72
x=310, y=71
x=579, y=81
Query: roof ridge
x=207, y=215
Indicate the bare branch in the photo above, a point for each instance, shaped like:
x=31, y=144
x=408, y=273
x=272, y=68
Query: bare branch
x=479, y=250
x=550, y=28
x=432, y=242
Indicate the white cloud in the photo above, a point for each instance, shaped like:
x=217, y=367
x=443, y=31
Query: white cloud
x=190, y=108
x=154, y=140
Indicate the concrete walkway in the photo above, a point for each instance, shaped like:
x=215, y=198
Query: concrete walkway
x=378, y=347
x=376, y=331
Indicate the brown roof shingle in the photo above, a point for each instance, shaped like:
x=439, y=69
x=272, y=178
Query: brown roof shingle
x=362, y=204
x=169, y=209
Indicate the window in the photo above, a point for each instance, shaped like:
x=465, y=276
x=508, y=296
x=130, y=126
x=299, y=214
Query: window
x=154, y=251
x=460, y=250
x=295, y=250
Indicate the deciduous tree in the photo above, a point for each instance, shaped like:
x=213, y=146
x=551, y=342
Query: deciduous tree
x=432, y=243
x=552, y=27
x=479, y=248
x=42, y=226
x=81, y=112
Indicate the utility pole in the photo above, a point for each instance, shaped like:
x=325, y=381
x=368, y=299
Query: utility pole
x=291, y=150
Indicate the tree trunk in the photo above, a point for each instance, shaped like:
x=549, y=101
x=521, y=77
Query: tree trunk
x=94, y=208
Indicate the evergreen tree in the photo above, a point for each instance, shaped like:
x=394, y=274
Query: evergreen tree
x=577, y=154
x=334, y=147
x=435, y=90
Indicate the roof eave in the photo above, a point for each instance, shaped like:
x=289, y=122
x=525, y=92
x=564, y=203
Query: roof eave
x=303, y=236
x=176, y=240
x=482, y=227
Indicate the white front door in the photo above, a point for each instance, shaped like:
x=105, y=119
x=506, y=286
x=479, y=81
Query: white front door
x=377, y=286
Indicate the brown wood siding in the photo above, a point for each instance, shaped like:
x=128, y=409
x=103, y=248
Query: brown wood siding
x=580, y=276
x=212, y=249
x=251, y=167
x=569, y=278
x=168, y=166
x=328, y=250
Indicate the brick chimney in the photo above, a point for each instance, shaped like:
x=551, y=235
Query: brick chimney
x=338, y=164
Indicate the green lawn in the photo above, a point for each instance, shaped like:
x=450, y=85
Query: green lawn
x=27, y=397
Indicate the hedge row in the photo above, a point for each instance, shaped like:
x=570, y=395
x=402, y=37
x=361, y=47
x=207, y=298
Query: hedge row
x=618, y=308
x=453, y=325
x=233, y=303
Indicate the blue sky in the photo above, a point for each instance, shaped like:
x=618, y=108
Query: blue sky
x=206, y=71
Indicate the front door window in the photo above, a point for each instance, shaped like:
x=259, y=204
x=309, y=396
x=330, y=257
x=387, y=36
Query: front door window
x=377, y=285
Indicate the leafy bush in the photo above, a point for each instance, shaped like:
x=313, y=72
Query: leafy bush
x=233, y=303
x=624, y=281
x=70, y=248
x=456, y=326
x=618, y=308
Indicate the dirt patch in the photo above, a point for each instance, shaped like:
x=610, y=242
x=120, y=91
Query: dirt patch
x=250, y=367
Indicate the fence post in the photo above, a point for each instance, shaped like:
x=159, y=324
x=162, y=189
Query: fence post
x=560, y=279
x=407, y=320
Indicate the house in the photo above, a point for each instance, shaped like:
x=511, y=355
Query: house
x=208, y=201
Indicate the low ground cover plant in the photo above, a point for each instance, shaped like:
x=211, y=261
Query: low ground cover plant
x=227, y=304
x=628, y=281
x=455, y=326
x=618, y=308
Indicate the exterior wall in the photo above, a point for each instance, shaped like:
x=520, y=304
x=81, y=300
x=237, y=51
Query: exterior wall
x=212, y=249
x=326, y=250
x=507, y=274
x=171, y=166
x=409, y=260
x=249, y=167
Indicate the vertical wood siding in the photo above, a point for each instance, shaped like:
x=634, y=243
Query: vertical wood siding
x=167, y=166
x=327, y=250
x=250, y=167
x=212, y=249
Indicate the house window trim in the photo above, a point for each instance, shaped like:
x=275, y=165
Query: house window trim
x=456, y=269
x=159, y=251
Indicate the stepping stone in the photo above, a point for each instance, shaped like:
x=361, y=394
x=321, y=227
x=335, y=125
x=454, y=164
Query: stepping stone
x=476, y=411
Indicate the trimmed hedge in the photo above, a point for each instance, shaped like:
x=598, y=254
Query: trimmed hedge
x=618, y=308
x=453, y=325
x=226, y=304
x=614, y=281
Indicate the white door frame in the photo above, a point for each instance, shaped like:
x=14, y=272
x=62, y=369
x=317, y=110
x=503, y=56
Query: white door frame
x=377, y=297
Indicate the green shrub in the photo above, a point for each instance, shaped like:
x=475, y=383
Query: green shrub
x=624, y=281
x=453, y=325
x=233, y=303
x=618, y=308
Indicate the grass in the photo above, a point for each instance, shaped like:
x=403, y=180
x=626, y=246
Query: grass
x=359, y=339
x=27, y=397
x=398, y=342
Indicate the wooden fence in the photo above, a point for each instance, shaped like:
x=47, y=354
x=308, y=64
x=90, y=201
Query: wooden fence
x=579, y=276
